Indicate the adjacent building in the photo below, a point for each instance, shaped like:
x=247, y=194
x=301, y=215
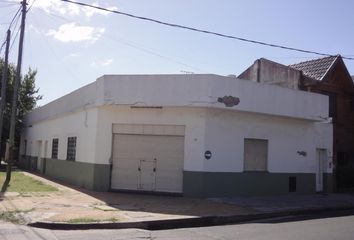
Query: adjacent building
x=328, y=76
x=194, y=135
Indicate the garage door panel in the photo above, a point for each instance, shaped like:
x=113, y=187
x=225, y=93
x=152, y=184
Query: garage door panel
x=125, y=174
x=166, y=151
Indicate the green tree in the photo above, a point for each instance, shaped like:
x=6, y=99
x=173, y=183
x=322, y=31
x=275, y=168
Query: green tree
x=28, y=97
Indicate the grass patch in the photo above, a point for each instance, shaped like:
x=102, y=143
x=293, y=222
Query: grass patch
x=91, y=220
x=21, y=183
x=10, y=217
x=14, y=216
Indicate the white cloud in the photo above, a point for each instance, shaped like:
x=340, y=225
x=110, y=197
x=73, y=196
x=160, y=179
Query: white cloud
x=32, y=28
x=89, y=12
x=107, y=62
x=57, y=6
x=70, y=32
x=74, y=55
x=102, y=63
x=71, y=9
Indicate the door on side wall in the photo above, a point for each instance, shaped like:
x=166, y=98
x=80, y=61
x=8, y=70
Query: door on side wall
x=147, y=162
x=45, y=156
x=39, y=155
x=320, y=165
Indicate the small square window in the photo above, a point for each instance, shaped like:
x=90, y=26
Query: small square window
x=55, y=145
x=71, y=152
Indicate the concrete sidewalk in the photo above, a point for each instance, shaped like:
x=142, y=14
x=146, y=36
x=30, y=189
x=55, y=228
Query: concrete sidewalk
x=73, y=206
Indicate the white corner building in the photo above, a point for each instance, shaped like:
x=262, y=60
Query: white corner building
x=199, y=135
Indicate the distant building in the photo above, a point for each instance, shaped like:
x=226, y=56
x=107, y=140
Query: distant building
x=328, y=76
x=195, y=135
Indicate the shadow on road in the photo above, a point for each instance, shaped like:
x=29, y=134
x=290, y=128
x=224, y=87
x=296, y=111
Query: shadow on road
x=305, y=217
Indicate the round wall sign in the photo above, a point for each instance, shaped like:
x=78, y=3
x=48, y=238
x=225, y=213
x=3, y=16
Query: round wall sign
x=207, y=154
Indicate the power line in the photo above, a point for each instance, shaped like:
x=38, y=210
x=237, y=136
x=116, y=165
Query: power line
x=135, y=46
x=18, y=30
x=14, y=22
x=8, y=5
x=155, y=54
x=70, y=73
x=202, y=31
x=15, y=17
x=31, y=5
x=2, y=46
x=15, y=38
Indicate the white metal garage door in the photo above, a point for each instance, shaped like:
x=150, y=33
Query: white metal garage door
x=148, y=162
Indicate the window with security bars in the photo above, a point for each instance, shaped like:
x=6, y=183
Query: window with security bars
x=71, y=152
x=55, y=145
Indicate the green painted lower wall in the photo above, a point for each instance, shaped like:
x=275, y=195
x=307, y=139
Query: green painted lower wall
x=195, y=184
x=216, y=184
x=87, y=175
x=28, y=162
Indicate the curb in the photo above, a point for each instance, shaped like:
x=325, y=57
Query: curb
x=184, y=222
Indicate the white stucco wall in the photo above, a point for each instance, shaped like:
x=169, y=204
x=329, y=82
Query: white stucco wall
x=192, y=118
x=283, y=116
x=82, y=124
x=80, y=99
x=203, y=91
x=193, y=90
x=220, y=131
x=225, y=132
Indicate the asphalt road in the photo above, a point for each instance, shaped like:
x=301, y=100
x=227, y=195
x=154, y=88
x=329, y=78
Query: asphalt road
x=325, y=226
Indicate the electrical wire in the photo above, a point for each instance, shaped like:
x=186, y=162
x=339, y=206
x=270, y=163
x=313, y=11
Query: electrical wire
x=70, y=73
x=8, y=5
x=15, y=38
x=148, y=51
x=15, y=20
x=30, y=6
x=2, y=46
x=15, y=17
x=135, y=46
x=202, y=30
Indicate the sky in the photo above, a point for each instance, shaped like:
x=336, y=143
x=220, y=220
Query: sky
x=71, y=46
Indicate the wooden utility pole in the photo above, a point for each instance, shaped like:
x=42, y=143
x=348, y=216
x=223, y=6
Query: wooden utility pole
x=15, y=95
x=3, y=86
